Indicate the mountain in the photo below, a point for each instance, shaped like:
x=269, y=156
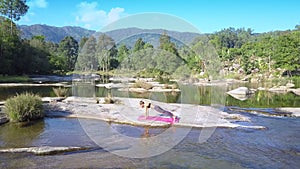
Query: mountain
x=127, y=33
x=56, y=34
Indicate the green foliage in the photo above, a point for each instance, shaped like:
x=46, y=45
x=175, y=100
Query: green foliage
x=24, y=107
x=68, y=49
x=123, y=53
x=13, y=9
x=267, y=53
x=87, y=59
x=151, y=72
x=139, y=45
x=61, y=91
x=106, y=53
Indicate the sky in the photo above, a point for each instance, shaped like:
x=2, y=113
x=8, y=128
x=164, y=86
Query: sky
x=207, y=16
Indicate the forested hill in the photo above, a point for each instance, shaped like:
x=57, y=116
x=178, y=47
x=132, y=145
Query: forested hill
x=56, y=34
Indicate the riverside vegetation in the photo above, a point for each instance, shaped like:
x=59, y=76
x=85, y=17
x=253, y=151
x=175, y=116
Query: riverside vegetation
x=24, y=107
x=242, y=53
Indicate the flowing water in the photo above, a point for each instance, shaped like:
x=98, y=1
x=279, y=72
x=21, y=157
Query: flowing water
x=277, y=146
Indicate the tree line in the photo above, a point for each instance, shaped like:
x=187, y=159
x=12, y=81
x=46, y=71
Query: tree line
x=230, y=50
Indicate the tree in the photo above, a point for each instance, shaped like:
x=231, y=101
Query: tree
x=82, y=42
x=139, y=45
x=287, y=52
x=68, y=49
x=123, y=53
x=87, y=57
x=13, y=9
x=9, y=47
x=106, y=52
x=166, y=44
x=40, y=54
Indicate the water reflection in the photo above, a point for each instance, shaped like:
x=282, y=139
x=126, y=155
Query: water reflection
x=20, y=134
x=137, y=132
x=44, y=91
x=203, y=95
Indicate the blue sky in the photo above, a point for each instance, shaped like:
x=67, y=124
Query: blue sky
x=207, y=16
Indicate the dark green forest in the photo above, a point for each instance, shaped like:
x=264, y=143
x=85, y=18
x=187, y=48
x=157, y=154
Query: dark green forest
x=241, y=52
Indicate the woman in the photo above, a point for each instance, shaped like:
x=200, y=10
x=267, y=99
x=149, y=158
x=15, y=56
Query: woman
x=148, y=105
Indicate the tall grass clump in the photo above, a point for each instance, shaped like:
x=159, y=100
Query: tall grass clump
x=61, y=92
x=24, y=107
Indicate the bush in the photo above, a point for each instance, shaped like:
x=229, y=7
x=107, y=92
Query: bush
x=109, y=99
x=61, y=92
x=24, y=107
x=142, y=84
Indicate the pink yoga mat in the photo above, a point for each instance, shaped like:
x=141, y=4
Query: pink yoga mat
x=159, y=118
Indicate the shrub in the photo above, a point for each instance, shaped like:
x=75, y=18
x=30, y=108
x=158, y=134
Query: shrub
x=108, y=100
x=24, y=107
x=142, y=84
x=61, y=92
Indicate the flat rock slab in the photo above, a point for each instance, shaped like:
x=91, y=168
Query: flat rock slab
x=294, y=110
x=128, y=112
x=44, y=150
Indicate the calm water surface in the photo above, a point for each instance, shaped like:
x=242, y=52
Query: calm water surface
x=277, y=146
x=191, y=94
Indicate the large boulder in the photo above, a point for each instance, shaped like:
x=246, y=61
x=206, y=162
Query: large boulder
x=241, y=93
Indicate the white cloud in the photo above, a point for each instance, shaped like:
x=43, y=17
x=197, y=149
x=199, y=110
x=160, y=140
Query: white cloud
x=92, y=18
x=26, y=19
x=114, y=14
x=38, y=3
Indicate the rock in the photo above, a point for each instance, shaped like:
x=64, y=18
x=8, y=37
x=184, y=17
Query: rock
x=261, y=88
x=138, y=90
x=3, y=120
x=254, y=80
x=296, y=91
x=241, y=71
x=231, y=68
x=255, y=70
x=236, y=66
x=240, y=91
x=52, y=99
x=128, y=112
x=44, y=150
x=290, y=85
x=294, y=110
x=280, y=89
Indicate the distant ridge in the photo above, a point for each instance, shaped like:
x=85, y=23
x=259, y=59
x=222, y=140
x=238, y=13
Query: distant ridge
x=56, y=34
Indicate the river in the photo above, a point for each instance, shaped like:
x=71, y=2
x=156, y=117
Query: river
x=277, y=146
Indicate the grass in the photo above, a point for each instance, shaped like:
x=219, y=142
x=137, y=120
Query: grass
x=61, y=91
x=24, y=107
